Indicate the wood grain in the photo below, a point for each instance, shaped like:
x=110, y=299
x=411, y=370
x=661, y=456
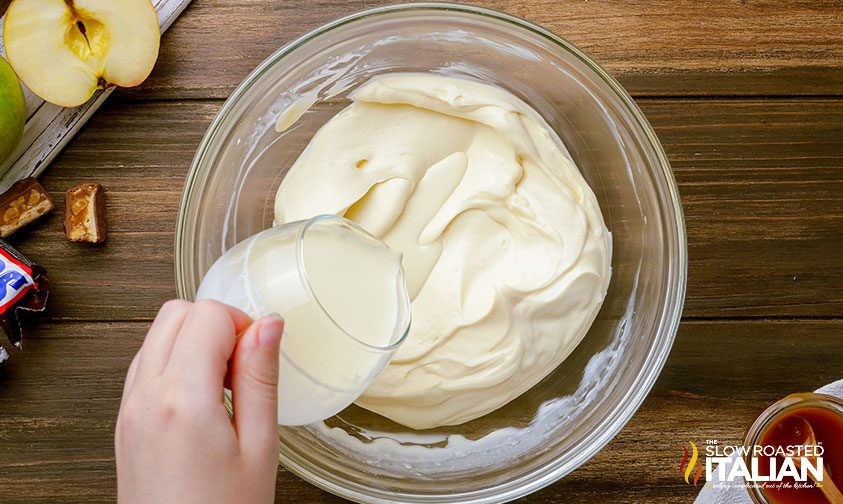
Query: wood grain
x=760, y=181
x=683, y=47
x=762, y=189
x=142, y=166
x=59, y=400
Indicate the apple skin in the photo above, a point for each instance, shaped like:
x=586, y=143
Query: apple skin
x=12, y=110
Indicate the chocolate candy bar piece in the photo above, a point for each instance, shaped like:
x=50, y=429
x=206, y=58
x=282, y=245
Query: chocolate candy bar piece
x=24, y=202
x=23, y=287
x=84, y=214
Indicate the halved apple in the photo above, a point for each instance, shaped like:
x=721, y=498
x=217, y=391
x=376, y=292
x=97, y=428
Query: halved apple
x=64, y=50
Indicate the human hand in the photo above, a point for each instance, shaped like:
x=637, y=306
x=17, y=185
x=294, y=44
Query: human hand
x=174, y=441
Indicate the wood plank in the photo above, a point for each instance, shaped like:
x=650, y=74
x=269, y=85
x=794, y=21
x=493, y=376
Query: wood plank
x=142, y=167
x=60, y=396
x=762, y=189
x=760, y=180
x=654, y=48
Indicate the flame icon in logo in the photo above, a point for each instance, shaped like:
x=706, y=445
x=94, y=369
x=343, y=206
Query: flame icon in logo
x=686, y=467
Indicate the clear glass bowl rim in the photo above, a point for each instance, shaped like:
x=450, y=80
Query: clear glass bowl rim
x=676, y=276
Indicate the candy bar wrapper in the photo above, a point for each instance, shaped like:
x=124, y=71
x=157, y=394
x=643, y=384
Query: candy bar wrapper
x=23, y=287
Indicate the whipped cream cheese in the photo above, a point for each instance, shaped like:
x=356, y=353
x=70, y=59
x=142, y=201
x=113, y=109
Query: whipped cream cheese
x=506, y=254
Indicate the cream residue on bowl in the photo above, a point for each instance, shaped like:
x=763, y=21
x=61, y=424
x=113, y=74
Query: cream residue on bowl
x=430, y=455
x=505, y=249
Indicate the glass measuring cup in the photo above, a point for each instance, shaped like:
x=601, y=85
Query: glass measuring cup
x=343, y=296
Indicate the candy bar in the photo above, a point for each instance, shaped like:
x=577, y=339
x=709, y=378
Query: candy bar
x=23, y=287
x=84, y=214
x=24, y=202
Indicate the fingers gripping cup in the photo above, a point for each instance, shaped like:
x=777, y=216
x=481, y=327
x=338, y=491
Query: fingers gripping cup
x=343, y=296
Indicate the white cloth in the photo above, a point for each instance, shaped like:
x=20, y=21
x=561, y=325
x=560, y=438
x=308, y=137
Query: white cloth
x=739, y=495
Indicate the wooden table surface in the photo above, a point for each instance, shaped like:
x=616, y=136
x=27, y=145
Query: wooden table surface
x=746, y=97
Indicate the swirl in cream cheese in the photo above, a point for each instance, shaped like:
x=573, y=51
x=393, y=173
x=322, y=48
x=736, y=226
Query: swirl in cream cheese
x=505, y=250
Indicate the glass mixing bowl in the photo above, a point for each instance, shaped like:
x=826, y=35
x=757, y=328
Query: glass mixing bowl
x=564, y=420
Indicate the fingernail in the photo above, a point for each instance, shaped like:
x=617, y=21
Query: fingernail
x=270, y=330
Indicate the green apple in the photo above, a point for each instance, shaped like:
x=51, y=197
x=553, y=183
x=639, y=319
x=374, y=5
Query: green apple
x=12, y=110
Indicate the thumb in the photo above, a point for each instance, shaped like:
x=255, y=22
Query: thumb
x=254, y=386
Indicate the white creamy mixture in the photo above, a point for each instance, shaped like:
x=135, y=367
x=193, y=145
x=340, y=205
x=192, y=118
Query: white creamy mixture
x=505, y=250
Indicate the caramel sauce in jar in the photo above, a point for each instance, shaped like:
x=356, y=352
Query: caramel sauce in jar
x=809, y=425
